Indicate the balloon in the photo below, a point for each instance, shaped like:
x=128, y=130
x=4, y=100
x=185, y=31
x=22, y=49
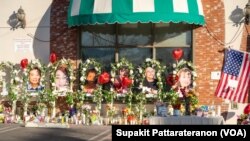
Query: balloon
x=172, y=79
x=52, y=57
x=24, y=63
x=247, y=109
x=177, y=53
x=126, y=81
x=103, y=78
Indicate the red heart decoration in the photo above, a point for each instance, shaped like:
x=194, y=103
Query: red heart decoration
x=172, y=79
x=247, y=109
x=177, y=53
x=24, y=63
x=52, y=57
x=104, y=78
x=126, y=82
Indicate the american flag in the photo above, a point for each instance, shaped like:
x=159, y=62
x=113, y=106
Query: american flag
x=235, y=77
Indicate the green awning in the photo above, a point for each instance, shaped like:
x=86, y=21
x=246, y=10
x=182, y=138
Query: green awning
x=90, y=12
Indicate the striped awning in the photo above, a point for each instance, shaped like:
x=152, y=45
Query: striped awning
x=89, y=12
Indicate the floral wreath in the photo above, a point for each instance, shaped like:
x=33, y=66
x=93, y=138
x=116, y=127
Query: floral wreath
x=159, y=70
x=53, y=68
x=87, y=65
x=97, y=94
x=176, y=67
x=115, y=67
x=84, y=67
x=15, y=81
x=185, y=64
x=30, y=66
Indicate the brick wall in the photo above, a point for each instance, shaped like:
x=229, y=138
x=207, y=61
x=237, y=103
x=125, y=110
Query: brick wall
x=64, y=40
x=207, y=55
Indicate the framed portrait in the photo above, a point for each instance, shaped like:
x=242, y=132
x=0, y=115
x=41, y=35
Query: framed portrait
x=62, y=80
x=90, y=70
x=62, y=76
x=35, y=76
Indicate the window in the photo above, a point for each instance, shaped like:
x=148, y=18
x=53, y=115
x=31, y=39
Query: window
x=135, y=42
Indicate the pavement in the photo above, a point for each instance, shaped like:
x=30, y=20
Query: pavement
x=17, y=132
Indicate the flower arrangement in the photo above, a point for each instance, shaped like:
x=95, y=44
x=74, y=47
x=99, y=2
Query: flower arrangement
x=159, y=71
x=122, y=90
x=84, y=67
x=34, y=63
x=97, y=92
x=244, y=119
x=14, y=84
x=89, y=63
x=176, y=67
x=53, y=66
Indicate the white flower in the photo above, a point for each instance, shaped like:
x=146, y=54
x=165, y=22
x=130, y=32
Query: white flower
x=194, y=84
x=96, y=68
x=2, y=74
x=53, y=84
x=140, y=70
x=17, y=78
x=131, y=72
x=15, y=71
x=111, y=89
x=87, y=61
x=112, y=79
x=174, y=72
x=118, y=65
x=71, y=77
x=83, y=69
x=112, y=73
x=82, y=78
x=148, y=59
x=140, y=86
x=194, y=74
x=174, y=65
x=158, y=74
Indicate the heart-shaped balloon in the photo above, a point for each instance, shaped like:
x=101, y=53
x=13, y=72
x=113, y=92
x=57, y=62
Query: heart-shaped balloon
x=104, y=78
x=172, y=79
x=126, y=82
x=247, y=109
x=24, y=63
x=52, y=57
x=177, y=53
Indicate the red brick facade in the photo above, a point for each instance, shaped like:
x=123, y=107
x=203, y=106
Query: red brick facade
x=208, y=42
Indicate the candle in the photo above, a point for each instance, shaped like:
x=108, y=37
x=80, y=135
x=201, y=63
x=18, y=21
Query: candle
x=218, y=110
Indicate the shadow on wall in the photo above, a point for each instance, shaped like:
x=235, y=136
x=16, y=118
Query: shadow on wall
x=227, y=115
x=237, y=16
x=41, y=39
